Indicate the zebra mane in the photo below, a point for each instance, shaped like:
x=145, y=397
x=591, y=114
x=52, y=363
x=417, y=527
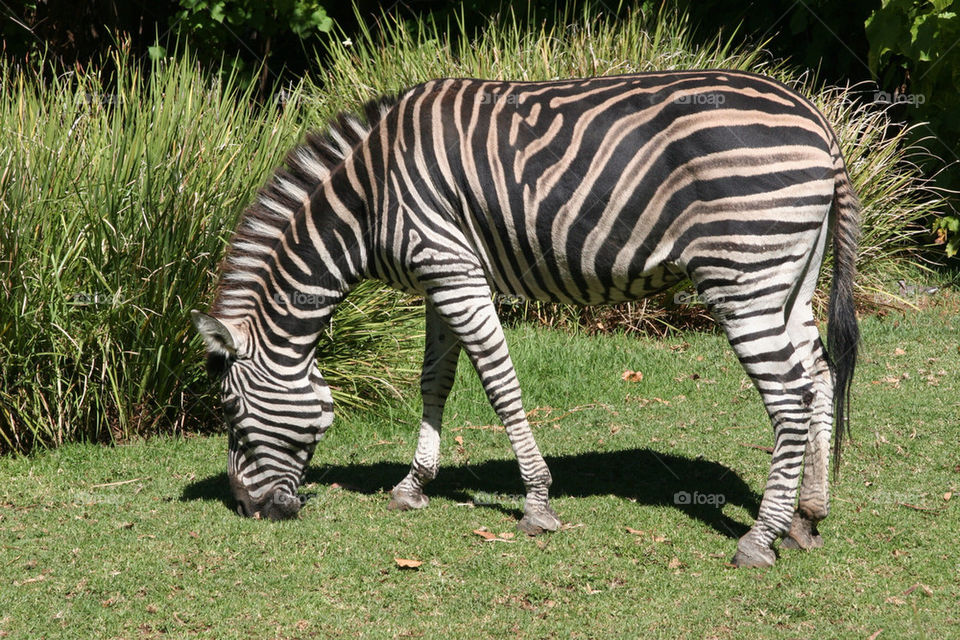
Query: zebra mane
x=307, y=165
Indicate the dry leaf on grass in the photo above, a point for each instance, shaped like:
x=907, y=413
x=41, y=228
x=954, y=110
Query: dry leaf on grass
x=631, y=376
x=406, y=563
x=486, y=535
x=490, y=536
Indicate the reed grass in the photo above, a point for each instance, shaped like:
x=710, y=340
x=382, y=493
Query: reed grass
x=118, y=199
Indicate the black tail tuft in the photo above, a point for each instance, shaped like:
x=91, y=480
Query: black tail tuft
x=843, y=333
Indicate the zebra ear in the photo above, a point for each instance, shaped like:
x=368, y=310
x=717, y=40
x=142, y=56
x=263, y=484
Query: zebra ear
x=217, y=336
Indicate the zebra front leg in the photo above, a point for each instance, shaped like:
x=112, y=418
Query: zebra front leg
x=469, y=312
x=441, y=351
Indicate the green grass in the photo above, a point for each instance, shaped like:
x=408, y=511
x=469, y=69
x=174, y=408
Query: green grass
x=139, y=541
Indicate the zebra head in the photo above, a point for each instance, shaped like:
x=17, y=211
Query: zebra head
x=274, y=420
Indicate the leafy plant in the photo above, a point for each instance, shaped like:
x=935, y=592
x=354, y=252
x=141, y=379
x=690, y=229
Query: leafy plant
x=912, y=50
x=258, y=26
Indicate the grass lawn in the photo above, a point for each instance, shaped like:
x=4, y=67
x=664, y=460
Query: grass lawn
x=140, y=541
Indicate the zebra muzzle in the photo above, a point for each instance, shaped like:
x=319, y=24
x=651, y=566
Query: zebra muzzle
x=276, y=505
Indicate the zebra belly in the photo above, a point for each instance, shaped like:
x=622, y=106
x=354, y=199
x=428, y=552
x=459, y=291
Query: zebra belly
x=652, y=281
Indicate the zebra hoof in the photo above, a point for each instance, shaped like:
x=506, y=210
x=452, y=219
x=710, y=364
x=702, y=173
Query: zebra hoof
x=534, y=523
x=803, y=534
x=749, y=555
x=405, y=501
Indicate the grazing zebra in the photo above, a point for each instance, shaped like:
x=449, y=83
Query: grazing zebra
x=579, y=191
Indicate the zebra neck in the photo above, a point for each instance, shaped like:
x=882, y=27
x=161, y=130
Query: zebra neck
x=284, y=291
x=321, y=259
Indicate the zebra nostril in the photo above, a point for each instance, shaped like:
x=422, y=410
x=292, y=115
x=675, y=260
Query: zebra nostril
x=282, y=506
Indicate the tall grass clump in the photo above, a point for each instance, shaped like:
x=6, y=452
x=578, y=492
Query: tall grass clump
x=117, y=200
x=895, y=196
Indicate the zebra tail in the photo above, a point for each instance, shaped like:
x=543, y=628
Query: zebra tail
x=843, y=334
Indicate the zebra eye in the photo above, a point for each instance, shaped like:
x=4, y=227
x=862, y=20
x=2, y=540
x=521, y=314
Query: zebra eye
x=217, y=364
x=231, y=403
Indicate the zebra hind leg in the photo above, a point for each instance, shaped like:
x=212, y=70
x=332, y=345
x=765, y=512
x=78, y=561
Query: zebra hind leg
x=441, y=352
x=814, y=502
x=766, y=352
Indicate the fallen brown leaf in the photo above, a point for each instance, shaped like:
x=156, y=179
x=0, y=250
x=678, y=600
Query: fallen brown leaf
x=406, y=563
x=486, y=535
x=636, y=532
x=631, y=376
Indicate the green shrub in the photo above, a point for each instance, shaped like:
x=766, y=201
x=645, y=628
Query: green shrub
x=264, y=28
x=913, y=47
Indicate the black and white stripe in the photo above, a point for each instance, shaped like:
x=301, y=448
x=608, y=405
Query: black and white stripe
x=585, y=191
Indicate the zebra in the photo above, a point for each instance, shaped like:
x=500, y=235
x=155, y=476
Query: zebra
x=584, y=191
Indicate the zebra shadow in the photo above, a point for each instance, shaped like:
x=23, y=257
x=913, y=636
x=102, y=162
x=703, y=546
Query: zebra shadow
x=695, y=486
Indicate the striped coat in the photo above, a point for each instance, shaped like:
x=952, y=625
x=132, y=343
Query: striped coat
x=584, y=191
